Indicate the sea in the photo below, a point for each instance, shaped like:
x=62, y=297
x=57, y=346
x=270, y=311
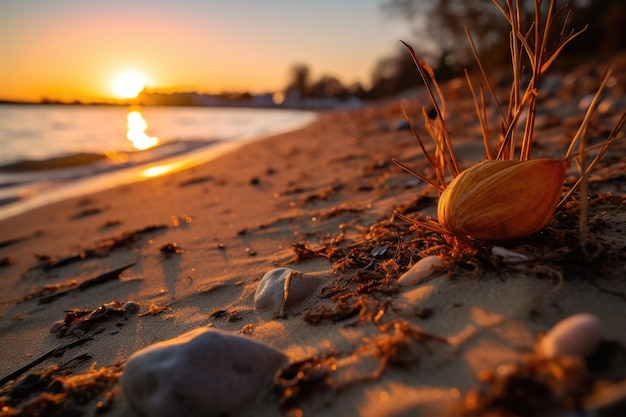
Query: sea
x=53, y=152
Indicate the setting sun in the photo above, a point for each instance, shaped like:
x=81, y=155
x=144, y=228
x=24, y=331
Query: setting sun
x=128, y=84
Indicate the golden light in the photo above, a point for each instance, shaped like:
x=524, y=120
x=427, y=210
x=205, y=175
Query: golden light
x=137, y=127
x=128, y=84
x=167, y=168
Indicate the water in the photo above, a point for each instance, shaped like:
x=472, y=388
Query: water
x=49, y=153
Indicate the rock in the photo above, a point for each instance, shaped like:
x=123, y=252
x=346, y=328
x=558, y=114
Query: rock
x=282, y=288
x=419, y=272
x=204, y=372
x=577, y=335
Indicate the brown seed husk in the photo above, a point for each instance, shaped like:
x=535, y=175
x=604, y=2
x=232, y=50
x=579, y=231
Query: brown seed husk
x=502, y=199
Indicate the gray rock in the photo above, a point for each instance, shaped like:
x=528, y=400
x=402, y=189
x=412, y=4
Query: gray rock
x=204, y=372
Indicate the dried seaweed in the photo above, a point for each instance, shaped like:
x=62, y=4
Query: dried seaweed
x=13, y=241
x=194, y=181
x=52, y=353
x=99, y=280
x=6, y=261
x=303, y=251
x=394, y=346
x=49, y=289
x=156, y=309
x=368, y=265
x=86, y=213
x=102, y=249
x=78, y=322
x=537, y=386
x=56, y=392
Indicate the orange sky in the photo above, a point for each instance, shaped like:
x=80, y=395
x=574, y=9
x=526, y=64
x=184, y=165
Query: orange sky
x=72, y=49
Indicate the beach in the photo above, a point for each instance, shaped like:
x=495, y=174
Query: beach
x=191, y=248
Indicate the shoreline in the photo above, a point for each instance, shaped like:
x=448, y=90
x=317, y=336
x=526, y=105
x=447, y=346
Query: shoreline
x=141, y=172
x=195, y=245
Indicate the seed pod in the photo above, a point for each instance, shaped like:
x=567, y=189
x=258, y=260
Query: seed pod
x=502, y=199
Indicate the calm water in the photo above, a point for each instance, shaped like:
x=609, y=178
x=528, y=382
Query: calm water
x=48, y=153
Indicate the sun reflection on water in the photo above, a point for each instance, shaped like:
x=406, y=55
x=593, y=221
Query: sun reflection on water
x=137, y=127
x=167, y=168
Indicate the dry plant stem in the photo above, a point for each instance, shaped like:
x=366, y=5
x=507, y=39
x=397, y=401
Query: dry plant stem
x=481, y=115
x=590, y=110
x=534, y=44
x=428, y=224
x=584, y=189
x=613, y=136
x=484, y=75
x=440, y=180
x=582, y=135
x=442, y=137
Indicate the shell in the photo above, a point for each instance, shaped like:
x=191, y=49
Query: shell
x=577, y=335
x=502, y=199
x=281, y=289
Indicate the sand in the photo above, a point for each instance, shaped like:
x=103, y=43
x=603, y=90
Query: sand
x=319, y=200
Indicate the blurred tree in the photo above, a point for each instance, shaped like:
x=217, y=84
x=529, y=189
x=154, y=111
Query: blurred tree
x=606, y=20
x=328, y=86
x=393, y=74
x=440, y=25
x=299, y=81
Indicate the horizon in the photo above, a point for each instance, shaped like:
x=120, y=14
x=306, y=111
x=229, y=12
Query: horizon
x=109, y=52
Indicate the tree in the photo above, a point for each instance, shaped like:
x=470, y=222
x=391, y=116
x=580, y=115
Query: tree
x=300, y=74
x=440, y=25
x=328, y=86
x=393, y=74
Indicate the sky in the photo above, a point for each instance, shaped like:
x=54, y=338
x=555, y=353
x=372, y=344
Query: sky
x=78, y=49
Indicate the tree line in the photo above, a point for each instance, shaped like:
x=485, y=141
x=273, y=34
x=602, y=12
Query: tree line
x=438, y=32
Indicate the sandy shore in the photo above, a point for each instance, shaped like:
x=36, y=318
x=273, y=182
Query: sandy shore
x=319, y=200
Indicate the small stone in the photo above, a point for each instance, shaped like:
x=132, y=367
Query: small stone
x=577, y=335
x=419, y=272
x=508, y=255
x=131, y=307
x=204, y=372
x=57, y=326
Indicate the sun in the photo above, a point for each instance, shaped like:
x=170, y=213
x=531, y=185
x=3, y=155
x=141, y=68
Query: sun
x=128, y=84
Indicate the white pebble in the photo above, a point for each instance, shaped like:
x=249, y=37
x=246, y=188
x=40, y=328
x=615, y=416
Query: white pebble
x=281, y=288
x=205, y=372
x=422, y=269
x=577, y=335
x=508, y=254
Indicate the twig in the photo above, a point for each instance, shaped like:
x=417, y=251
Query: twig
x=54, y=352
x=100, y=279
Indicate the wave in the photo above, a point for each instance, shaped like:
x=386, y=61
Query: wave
x=28, y=165
x=25, y=178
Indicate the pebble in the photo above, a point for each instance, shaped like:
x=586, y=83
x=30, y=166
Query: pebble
x=422, y=269
x=577, y=335
x=508, y=255
x=270, y=294
x=204, y=372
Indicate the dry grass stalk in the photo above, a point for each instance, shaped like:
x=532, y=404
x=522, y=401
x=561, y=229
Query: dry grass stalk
x=531, y=47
